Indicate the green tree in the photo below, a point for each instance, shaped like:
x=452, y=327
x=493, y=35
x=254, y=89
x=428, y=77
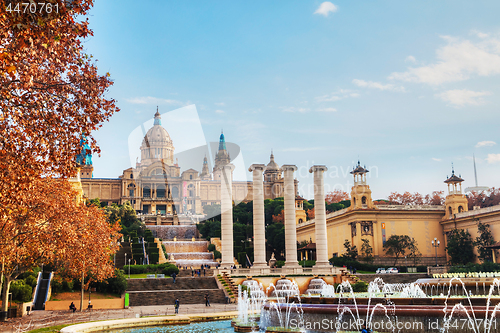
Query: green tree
x=276, y=239
x=413, y=252
x=460, y=247
x=484, y=239
x=209, y=229
x=350, y=251
x=128, y=218
x=397, y=246
x=366, y=251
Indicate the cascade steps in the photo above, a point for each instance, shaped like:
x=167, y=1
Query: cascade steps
x=120, y=254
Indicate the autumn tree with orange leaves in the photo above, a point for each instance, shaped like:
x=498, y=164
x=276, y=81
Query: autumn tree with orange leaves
x=407, y=198
x=50, y=95
x=336, y=196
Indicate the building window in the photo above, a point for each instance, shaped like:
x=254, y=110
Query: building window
x=300, y=220
x=146, y=192
x=450, y=211
x=460, y=209
x=160, y=191
x=131, y=193
x=131, y=176
x=363, y=200
x=191, y=177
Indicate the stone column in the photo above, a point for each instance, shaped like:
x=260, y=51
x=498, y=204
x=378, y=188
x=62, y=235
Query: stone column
x=259, y=226
x=226, y=216
x=320, y=217
x=290, y=220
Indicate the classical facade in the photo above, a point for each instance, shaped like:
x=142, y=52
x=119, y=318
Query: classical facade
x=158, y=185
x=376, y=223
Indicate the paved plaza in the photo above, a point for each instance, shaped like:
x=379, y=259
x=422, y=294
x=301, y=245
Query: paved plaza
x=39, y=319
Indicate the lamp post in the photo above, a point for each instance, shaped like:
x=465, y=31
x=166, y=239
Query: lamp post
x=436, y=243
x=125, y=259
x=129, y=268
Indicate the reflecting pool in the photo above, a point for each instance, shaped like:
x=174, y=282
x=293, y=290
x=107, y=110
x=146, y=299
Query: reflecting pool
x=223, y=326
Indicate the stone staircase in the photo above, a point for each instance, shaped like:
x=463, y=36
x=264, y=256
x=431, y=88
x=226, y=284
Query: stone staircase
x=164, y=291
x=232, y=286
x=120, y=254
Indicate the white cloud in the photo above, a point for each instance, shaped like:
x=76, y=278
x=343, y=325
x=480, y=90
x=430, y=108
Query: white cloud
x=463, y=97
x=327, y=110
x=410, y=59
x=292, y=109
x=377, y=85
x=326, y=8
x=338, y=95
x=485, y=144
x=152, y=100
x=493, y=158
x=457, y=61
x=219, y=111
x=436, y=159
x=220, y=104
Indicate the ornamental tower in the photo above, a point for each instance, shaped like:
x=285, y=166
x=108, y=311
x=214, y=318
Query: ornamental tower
x=221, y=159
x=456, y=201
x=361, y=195
x=205, y=173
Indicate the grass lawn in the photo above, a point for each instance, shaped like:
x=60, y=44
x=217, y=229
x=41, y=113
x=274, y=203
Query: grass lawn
x=364, y=272
x=52, y=329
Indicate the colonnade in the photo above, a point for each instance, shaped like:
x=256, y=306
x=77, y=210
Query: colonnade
x=291, y=263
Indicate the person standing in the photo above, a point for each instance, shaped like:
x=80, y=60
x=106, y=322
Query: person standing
x=207, y=300
x=176, y=306
x=174, y=276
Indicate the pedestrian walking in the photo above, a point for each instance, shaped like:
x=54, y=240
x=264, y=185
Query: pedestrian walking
x=207, y=300
x=176, y=306
x=174, y=276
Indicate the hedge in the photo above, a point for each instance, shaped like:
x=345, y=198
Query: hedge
x=211, y=247
x=153, y=268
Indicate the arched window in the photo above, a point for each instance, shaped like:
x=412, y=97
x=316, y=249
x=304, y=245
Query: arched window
x=300, y=220
x=363, y=200
x=460, y=209
x=354, y=201
x=450, y=211
x=160, y=191
x=191, y=177
x=131, y=176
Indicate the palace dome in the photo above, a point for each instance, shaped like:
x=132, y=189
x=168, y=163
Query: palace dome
x=272, y=166
x=157, y=135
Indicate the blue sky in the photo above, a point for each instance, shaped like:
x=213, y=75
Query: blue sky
x=408, y=87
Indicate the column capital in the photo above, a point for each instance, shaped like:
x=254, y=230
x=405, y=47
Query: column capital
x=286, y=167
x=256, y=167
x=318, y=168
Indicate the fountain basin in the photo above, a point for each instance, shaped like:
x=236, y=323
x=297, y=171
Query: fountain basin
x=382, y=318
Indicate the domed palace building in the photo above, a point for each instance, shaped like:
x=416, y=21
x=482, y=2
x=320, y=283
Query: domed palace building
x=158, y=186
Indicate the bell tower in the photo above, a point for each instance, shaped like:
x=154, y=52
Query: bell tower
x=456, y=201
x=361, y=195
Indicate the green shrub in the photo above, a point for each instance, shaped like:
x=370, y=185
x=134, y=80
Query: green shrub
x=309, y=263
x=217, y=254
x=279, y=263
x=211, y=247
x=30, y=280
x=114, y=285
x=360, y=287
x=20, y=291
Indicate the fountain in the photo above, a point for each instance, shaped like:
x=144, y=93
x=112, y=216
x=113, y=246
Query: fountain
x=315, y=286
x=400, y=307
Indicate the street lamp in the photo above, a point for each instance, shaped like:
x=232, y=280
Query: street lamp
x=129, y=268
x=436, y=243
x=125, y=258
